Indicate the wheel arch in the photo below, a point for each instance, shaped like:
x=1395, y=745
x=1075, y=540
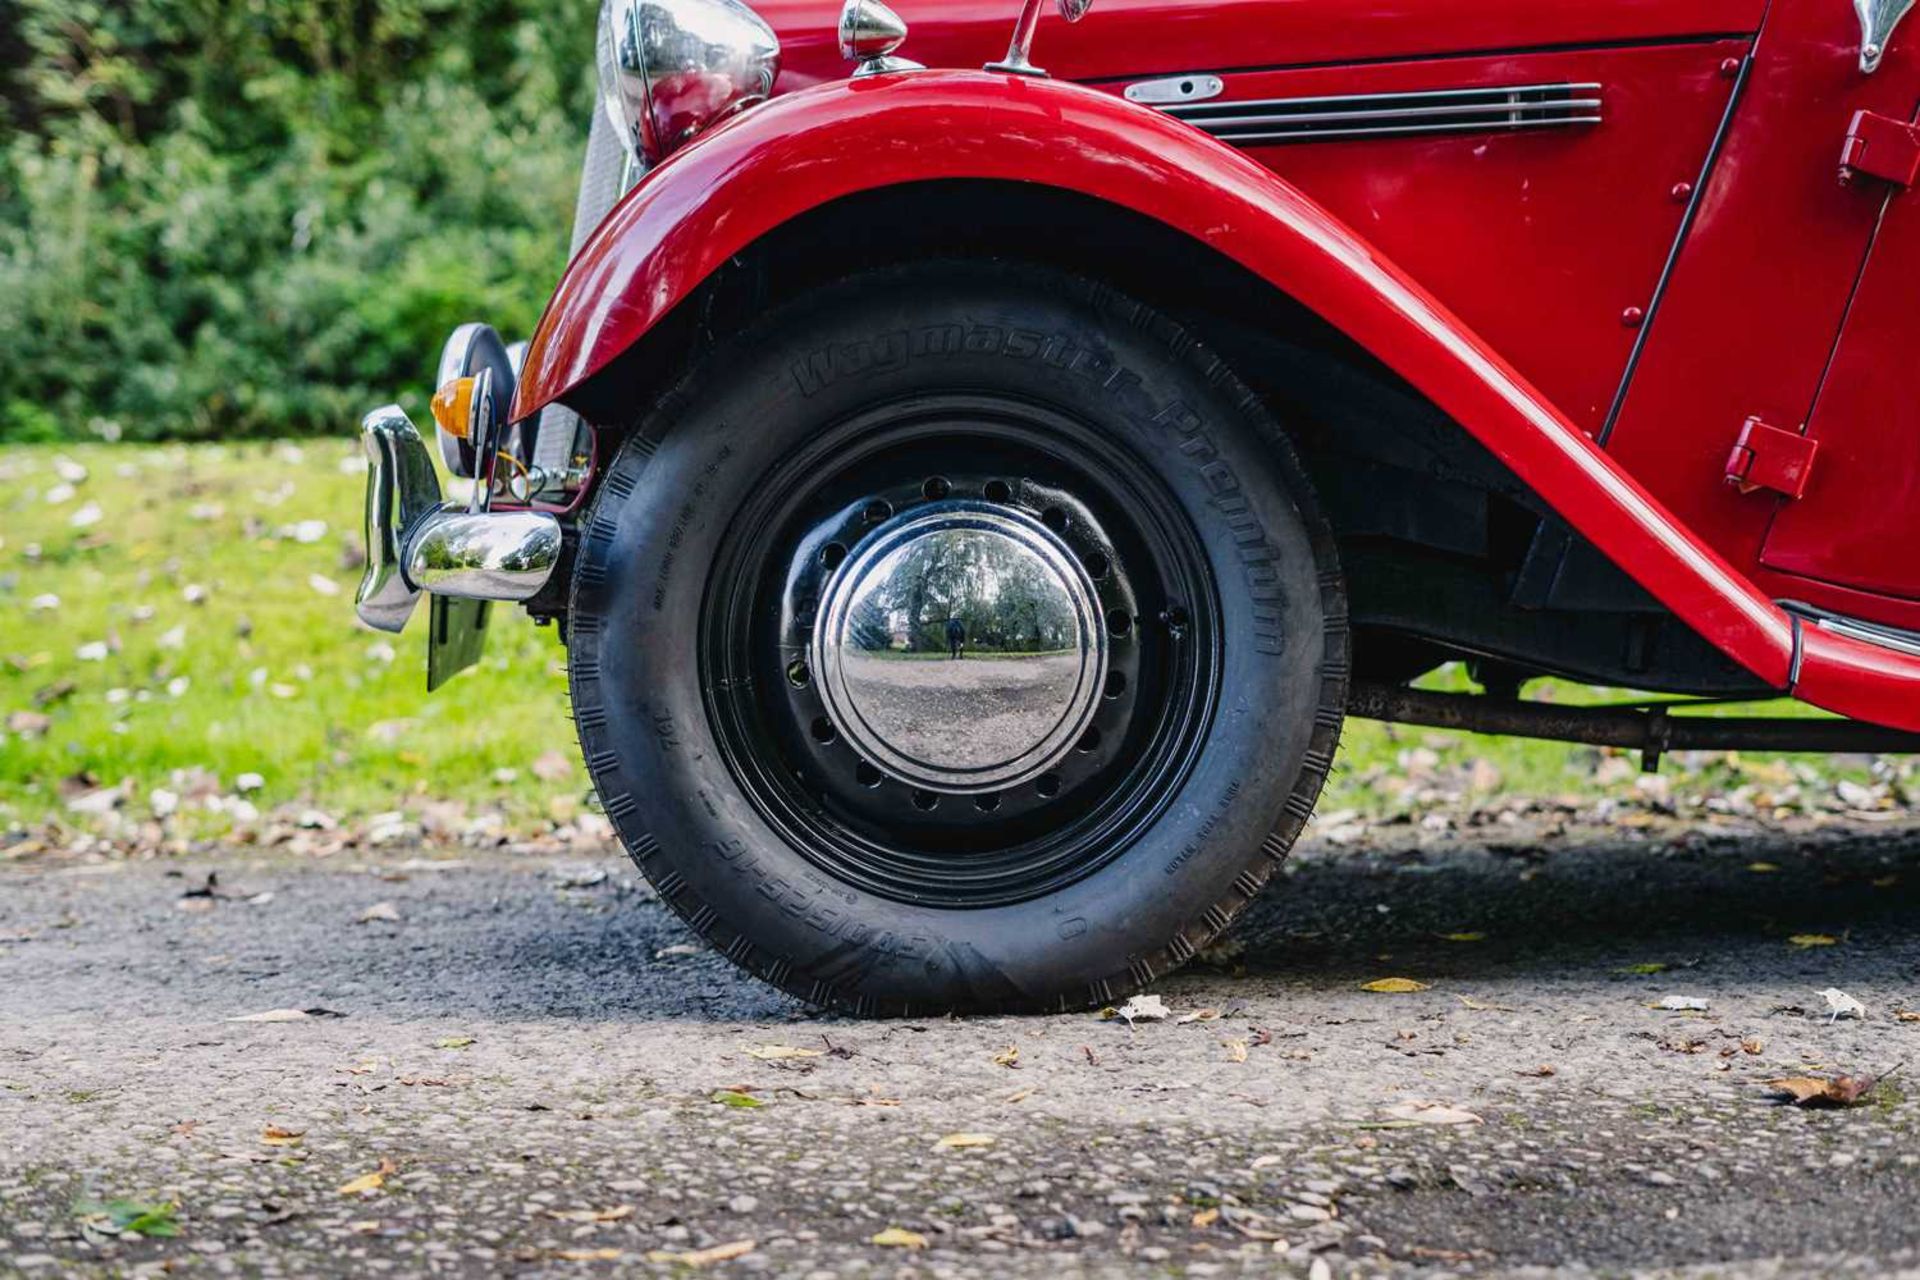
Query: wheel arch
x=820, y=183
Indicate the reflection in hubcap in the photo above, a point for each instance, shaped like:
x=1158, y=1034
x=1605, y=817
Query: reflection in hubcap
x=960, y=648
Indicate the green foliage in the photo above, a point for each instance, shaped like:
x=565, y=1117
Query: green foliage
x=261, y=217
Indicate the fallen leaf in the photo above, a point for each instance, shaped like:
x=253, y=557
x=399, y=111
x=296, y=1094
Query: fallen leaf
x=1681, y=1004
x=590, y=1255
x=453, y=1042
x=273, y=1015
x=617, y=1214
x=1463, y=937
x=1394, y=986
x=1812, y=940
x=735, y=1098
x=781, y=1052
x=1205, y=1218
x=274, y=1136
x=368, y=1181
x=1007, y=1057
x=1643, y=970
x=898, y=1238
x=1432, y=1113
x=1236, y=1050
x=1842, y=1005
x=1019, y=1095
x=960, y=1141
x=1198, y=1015
x=1814, y=1092
x=378, y=911
x=1540, y=1072
x=1138, y=1009
x=1906, y=1015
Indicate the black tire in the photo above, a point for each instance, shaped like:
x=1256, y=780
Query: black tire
x=654, y=558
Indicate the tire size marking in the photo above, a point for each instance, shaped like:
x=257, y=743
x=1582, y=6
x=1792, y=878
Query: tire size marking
x=813, y=908
x=682, y=520
x=1192, y=846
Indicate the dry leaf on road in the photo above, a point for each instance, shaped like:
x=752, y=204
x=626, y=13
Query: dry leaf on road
x=1842, y=1005
x=591, y=1215
x=1435, y=1113
x=961, y=1141
x=1236, y=1050
x=274, y=1136
x=1138, y=1009
x=1394, y=986
x=1812, y=940
x=367, y=1182
x=378, y=911
x=1813, y=1092
x=898, y=1238
x=782, y=1052
x=274, y=1015
x=1681, y=1004
x=1007, y=1057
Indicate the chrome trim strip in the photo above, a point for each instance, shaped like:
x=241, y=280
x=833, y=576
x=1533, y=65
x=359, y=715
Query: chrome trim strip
x=1492, y=108
x=1322, y=135
x=1388, y=114
x=1503, y=90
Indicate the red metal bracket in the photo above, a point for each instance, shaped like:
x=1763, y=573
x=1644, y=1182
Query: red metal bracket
x=1880, y=147
x=1766, y=457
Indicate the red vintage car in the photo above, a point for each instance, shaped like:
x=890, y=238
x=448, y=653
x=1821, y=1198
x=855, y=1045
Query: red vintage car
x=973, y=495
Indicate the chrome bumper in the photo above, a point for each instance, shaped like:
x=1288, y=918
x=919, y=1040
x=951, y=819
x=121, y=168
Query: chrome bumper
x=417, y=543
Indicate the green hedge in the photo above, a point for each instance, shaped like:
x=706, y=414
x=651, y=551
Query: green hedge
x=260, y=217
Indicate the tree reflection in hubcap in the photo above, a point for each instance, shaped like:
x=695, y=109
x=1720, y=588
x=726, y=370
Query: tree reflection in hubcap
x=960, y=647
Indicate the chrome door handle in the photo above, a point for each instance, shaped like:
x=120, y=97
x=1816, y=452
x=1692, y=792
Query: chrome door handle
x=1878, y=18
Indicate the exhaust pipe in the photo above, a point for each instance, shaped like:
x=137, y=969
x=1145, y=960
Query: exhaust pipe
x=418, y=543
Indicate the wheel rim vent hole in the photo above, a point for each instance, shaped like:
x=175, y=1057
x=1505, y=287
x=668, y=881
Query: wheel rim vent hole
x=876, y=511
x=867, y=775
x=1048, y=786
x=1116, y=683
x=823, y=730
x=798, y=675
x=832, y=555
x=926, y=801
x=1055, y=519
x=935, y=488
x=1119, y=622
x=998, y=491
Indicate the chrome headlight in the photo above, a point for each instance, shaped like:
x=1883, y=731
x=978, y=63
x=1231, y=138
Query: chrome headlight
x=669, y=68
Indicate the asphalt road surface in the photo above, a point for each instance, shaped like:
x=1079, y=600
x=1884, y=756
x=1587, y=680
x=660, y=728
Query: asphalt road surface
x=525, y=1067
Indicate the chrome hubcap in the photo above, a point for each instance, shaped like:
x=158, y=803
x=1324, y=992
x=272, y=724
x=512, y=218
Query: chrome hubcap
x=960, y=648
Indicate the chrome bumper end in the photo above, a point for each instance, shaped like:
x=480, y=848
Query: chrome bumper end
x=417, y=543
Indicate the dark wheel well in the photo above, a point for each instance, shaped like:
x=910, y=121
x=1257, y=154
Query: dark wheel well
x=1471, y=561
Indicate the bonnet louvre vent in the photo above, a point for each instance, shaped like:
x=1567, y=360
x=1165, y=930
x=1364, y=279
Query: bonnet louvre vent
x=1489, y=110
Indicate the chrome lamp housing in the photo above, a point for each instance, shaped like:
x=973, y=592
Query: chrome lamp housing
x=670, y=68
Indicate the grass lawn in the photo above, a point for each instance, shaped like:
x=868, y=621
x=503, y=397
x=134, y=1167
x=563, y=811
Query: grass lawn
x=189, y=608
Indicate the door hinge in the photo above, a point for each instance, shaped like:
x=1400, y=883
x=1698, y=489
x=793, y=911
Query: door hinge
x=1766, y=457
x=1880, y=147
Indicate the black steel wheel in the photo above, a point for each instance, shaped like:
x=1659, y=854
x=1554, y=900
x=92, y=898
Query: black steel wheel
x=958, y=638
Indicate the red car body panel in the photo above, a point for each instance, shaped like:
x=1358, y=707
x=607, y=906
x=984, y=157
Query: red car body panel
x=1131, y=39
x=1546, y=290
x=802, y=151
x=1747, y=329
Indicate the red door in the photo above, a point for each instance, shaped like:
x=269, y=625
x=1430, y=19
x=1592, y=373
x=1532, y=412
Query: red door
x=1859, y=524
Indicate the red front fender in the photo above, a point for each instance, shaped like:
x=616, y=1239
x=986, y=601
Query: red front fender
x=806, y=149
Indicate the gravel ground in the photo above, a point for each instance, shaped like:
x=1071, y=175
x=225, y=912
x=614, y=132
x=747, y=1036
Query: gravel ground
x=532, y=1051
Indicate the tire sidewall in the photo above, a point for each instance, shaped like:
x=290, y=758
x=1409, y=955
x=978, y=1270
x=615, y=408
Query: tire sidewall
x=650, y=547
